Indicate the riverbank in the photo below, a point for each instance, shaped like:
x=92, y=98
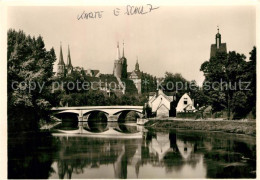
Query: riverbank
x=47, y=126
x=229, y=126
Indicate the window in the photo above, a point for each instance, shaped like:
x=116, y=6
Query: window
x=185, y=101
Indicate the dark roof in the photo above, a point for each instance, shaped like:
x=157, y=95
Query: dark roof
x=170, y=93
x=214, y=50
x=138, y=73
x=152, y=93
x=95, y=72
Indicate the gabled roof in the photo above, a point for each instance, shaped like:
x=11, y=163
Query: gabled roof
x=94, y=72
x=161, y=106
x=169, y=98
x=136, y=73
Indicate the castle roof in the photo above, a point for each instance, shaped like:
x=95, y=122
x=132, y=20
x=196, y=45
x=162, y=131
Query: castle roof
x=93, y=72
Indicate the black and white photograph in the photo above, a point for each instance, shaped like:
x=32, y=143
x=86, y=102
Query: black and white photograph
x=138, y=90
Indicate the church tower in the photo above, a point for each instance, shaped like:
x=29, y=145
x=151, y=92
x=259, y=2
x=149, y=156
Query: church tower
x=124, y=64
x=69, y=65
x=137, y=65
x=117, y=71
x=218, y=39
x=218, y=46
x=61, y=64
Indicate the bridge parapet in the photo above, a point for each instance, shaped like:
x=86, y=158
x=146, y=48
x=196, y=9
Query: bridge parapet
x=112, y=112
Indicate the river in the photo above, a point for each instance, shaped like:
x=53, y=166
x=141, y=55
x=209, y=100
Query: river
x=164, y=154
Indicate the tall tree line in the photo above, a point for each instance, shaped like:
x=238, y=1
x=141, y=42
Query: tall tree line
x=28, y=61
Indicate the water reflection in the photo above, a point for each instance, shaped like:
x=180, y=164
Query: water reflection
x=175, y=154
x=157, y=155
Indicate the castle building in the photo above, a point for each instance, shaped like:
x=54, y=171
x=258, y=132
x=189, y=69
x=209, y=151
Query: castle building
x=218, y=46
x=64, y=69
x=135, y=76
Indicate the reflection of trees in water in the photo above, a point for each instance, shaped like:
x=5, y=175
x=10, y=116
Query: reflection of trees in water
x=27, y=157
x=77, y=153
x=68, y=125
x=120, y=166
x=168, y=153
x=224, y=154
x=69, y=121
x=127, y=128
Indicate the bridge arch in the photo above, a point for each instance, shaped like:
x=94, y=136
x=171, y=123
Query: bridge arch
x=97, y=121
x=128, y=115
x=96, y=115
x=67, y=115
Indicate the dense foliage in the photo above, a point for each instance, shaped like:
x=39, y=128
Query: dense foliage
x=230, y=83
x=149, y=83
x=176, y=85
x=29, y=63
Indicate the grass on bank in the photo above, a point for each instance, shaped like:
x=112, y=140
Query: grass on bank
x=238, y=127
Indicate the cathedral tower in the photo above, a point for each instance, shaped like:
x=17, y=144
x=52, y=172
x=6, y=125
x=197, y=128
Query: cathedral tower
x=117, y=71
x=69, y=65
x=61, y=64
x=124, y=64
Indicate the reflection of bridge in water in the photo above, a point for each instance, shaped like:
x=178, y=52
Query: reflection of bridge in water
x=129, y=158
x=112, y=113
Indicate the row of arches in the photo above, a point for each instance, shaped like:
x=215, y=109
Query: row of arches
x=101, y=116
x=98, y=121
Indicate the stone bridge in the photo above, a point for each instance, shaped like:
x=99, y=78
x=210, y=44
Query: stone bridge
x=113, y=113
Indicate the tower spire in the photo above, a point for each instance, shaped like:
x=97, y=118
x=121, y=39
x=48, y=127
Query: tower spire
x=69, y=58
x=218, y=38
x=137, y=64
x=118, y=52
x=61, y=62
x=123, y=55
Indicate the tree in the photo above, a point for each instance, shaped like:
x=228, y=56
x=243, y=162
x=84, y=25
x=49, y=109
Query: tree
x=223, y=76
x=29, y=63
x=175, y=83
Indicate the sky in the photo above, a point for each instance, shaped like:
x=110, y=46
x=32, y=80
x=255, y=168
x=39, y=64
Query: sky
x=176, y=39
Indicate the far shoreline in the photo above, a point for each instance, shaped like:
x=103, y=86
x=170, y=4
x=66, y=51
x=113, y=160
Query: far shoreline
x=247, y=127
